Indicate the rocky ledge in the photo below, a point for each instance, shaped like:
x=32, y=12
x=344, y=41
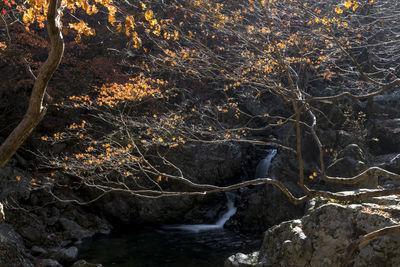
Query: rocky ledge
x=321, y=237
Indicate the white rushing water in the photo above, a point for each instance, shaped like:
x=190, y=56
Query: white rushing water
x=263, y=166
x=218, y=225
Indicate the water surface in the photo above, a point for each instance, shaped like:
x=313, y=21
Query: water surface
x=159, y=247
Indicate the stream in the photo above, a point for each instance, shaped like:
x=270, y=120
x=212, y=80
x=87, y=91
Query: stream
x=194, y=245
x=158, y=247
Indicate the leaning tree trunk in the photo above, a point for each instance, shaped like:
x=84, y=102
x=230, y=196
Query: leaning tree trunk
x=36, y=110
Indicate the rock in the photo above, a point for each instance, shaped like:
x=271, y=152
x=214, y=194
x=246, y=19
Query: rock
x=12, y=249
x=387, y=134
x=31, y=233
x=83, y=263
x=261, y=207
x=74, y=230
x=10, y=186
x=350, y=163
x=245, y=260
x=38, y=251
x=319, y=240
x=390, y=162
x=66, y=255
x=352, y=151
x=48, y=263
x=86, y=220
x=344, y=138
x=215, y=164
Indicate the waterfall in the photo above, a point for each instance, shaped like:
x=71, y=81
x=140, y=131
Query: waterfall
x=218, y=225
x=261, y=172
x=263, y=166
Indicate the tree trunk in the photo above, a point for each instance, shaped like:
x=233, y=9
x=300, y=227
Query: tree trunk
x=36, y=110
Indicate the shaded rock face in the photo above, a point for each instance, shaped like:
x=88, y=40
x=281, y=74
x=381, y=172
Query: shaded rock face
x=9, y=185
x=123, y=209
x=321, y=237
x=73, y=230
x=261, y=207
x=12, y=249
x=351, y=160
x=66, y=255
x=217, y=164
x=387, y=133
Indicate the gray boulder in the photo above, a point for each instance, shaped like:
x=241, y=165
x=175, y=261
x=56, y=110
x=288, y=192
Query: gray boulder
x=74, y=231
x=66, y=255
x=321, y=237
x=12, y=249
x=10, y=185
x=38, y=251
x=245, y=260
x=387, y=132
x=350, y=162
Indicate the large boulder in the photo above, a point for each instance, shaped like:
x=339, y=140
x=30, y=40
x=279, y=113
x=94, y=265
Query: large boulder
x=243, y=260
x=321, y=237
x=261, y=207
x=387, y=135
x=12, y=249
x=65, y=255
x=350, y=162
x=74, y=231
x=14, y=182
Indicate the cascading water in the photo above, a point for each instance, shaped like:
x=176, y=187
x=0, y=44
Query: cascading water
x=263, y=166
x=218, y=225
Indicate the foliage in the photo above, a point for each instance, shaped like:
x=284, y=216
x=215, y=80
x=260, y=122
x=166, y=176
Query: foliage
x=210, y=71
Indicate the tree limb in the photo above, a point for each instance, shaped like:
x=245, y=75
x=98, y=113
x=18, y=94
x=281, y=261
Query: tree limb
x=36, y=110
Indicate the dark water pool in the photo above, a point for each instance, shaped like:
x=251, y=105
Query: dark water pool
x=159, y=247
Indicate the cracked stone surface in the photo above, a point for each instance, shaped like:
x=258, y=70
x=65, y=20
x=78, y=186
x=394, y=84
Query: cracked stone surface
x=322, y=235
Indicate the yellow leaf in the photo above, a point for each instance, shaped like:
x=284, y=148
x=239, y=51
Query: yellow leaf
x=119, y=27
x=338, y=10
x=355, y=6
x=148, y=15
x=153, y=22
